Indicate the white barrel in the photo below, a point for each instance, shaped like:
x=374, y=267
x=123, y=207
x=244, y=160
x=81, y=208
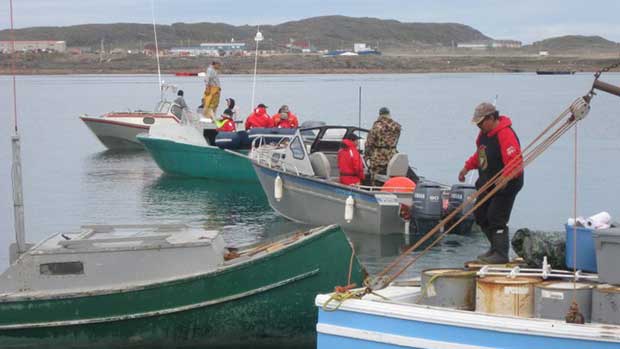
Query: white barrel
x=506, y=296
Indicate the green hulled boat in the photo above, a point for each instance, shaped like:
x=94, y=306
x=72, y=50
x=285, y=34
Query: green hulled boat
x=169, y=284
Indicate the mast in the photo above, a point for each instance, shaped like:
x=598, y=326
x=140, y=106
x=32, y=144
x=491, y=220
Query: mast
x=16, y=168
x=161, y=86
x=258, y=38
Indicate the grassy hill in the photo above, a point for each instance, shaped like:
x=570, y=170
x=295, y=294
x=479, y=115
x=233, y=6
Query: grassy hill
x=327, y=32
x=575, y=43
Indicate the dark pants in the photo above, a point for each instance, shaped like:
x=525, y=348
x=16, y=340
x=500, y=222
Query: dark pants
x=494, y=214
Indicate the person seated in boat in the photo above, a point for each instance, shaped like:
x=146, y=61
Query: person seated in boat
x=180, y=101
x=285, y=119
x=381, y=142
x=259, y=118
x=232, y=105
x=350, y=163
x=226, y=122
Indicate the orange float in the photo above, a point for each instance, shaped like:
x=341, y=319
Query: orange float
x=399, y=184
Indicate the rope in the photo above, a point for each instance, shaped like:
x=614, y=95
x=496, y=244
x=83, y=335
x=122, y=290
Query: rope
x=496, y=183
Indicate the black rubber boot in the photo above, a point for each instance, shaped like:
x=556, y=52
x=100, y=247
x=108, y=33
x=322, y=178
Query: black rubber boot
x=489, y=252
x=499, y=242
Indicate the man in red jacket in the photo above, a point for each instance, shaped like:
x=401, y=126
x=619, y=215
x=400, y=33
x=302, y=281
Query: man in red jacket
x=350, y=162
x=285, y=119
x=497, y=146
x=259, y=118
x=226, y=122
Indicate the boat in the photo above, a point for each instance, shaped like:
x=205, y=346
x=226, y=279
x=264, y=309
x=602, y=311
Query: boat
x=197, y=149
x=118, y=130
x=168, y=284
x=555, y=72
x=299, y=175
x=486, y=306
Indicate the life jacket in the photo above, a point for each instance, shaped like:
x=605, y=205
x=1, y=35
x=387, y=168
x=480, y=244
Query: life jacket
x=290, y=122
x=350, y=163
x=259, y=118
x=227, y=125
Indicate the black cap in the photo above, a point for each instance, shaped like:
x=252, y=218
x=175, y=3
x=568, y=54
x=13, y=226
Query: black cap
x=262, y=106
x=228, y=112
x=180, y=93
x=383, y=111
x=352, y=136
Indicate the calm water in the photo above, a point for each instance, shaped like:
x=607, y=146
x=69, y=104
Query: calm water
x=70, y=180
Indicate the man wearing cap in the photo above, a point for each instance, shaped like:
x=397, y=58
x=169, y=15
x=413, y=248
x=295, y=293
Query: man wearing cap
x=259, y=118
x=350, y=162
x=498, y=150
x=285, y=119
x=381, y=142
x=211, y=96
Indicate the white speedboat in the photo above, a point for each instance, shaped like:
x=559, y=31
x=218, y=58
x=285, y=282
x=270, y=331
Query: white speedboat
x=118, y=130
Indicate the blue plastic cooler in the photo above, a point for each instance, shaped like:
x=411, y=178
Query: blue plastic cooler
x=586, y=255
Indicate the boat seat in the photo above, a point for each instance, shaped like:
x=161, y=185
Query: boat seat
x=320, y=165
x=398, y=165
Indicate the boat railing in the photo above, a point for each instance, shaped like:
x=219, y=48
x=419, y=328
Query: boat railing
x=545, y=272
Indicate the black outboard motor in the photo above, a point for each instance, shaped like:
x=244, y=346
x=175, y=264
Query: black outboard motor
x=426, y=211
x=232, y=140
x=459, y=194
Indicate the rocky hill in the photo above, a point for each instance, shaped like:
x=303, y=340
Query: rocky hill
x=327, y=32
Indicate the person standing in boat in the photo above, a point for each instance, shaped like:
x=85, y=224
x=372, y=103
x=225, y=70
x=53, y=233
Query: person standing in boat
x=350, y=163
x=381, y=142
x=211, y=96
x=259, y=118
x=226, y=122
x=497, y=146
x=285, y=119
x=180, y=101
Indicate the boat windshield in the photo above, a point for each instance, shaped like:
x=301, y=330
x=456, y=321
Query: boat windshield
x=163, y=107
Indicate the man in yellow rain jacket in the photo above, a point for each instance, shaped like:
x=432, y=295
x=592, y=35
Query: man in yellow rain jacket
x=211, y=97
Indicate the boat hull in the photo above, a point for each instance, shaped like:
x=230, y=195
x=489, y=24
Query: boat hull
x=364, y=324
x=182, y=159
x=266, y=299
x=116, y=135
x=315, y=202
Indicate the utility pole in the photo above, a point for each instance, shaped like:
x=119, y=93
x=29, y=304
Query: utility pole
x=101, y=51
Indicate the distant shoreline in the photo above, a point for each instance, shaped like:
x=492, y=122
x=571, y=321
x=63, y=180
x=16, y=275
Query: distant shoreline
x=307, y=64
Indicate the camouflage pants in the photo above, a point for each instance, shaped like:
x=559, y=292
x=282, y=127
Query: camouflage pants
x=378, y=160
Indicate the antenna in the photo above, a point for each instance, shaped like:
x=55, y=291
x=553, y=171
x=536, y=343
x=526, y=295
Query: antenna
x=16, y=168
x=161, y=91
x=258, y=38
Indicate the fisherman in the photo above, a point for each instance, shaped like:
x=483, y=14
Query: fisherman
x=285, y=119
x=350, y=163
x=211, y=97
x=259, y=118
x=381, y=142
x=497, y=145
x=226, y=122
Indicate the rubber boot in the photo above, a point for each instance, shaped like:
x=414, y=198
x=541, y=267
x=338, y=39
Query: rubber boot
x=499, y=243
x=487, y=233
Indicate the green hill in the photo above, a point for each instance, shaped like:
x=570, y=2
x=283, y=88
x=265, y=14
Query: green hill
x=575, y=43
x=327, y=32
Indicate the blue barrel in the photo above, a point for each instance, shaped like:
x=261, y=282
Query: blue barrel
x=586, y=255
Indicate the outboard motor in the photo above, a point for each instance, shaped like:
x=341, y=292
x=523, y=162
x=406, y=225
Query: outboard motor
x=457, y=195
x=426, y=211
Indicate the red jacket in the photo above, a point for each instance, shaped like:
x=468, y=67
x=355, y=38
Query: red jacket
x=509, y=148
x=350, y=163
x=228, y=125
x=291, y=122
x=259, y=118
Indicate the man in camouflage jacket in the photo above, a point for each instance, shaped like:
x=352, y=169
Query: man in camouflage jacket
x=381, y=142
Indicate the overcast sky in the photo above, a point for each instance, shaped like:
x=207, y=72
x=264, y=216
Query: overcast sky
x=525, y=20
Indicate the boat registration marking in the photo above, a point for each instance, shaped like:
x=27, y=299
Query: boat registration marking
x=552, y=294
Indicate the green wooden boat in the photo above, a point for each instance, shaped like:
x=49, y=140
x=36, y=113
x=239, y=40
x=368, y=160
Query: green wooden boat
x=169, y=285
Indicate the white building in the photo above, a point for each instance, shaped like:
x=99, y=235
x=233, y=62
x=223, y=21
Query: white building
x=34, y=45
x=210, y=49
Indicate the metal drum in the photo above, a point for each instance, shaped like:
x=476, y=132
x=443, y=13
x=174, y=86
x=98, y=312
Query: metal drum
x=449, y=288
x=554, y=298
x=605, y=304
x=506, y=296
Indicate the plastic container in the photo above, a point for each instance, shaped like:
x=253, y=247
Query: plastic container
x=506, y=296
x=607, y=247
x=554, y=298
x=586, y=257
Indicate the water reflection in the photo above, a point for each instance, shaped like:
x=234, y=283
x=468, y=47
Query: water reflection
x=239, y=210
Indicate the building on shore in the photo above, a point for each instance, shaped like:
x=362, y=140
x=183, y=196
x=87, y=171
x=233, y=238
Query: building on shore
x=211, y=49
x=487, y=44
x=34, y=46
